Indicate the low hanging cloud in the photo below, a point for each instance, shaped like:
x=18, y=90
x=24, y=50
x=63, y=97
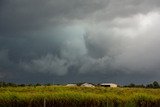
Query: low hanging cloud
x=79, y=37
x=48, y=64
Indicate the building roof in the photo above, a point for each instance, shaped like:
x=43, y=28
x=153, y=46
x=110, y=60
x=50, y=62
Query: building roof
x=87, y=85
x=71, y=85
x=108, y=84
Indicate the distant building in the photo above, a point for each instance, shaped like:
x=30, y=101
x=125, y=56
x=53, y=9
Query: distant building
x=108, y=85
x=87, y=85
x=71, y=85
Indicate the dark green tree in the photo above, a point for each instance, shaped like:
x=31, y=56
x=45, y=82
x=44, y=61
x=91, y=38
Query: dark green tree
x=155, y=84
x=149, y=86
x=38, y=84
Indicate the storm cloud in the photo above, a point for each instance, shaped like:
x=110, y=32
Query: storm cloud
x=93, y=40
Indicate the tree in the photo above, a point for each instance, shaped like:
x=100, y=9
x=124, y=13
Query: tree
x=48, y=84
x=155, y=84
x=149, y=86
x=38, y=84
x=131, y=85
x=12, y=84
x=22, y=85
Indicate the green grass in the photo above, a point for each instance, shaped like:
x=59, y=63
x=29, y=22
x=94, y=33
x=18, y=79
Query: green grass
x=61, y=96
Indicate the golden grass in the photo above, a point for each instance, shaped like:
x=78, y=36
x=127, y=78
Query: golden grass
x=61, y=96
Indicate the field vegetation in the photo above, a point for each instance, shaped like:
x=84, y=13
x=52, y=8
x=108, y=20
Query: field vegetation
x=62, y=96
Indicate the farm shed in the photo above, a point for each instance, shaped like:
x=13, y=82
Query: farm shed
x=71, y=85
x=87, y=85
x=108, y=85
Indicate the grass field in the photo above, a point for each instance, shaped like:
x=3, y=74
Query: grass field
x=61, y=96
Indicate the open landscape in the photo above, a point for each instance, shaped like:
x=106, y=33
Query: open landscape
x=79, y=53
x=75, y=96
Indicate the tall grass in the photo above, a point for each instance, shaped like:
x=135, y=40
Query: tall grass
x=61, y=96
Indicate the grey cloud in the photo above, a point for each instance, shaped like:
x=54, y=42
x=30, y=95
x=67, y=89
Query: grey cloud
x=99, y=65
x=47, y=64
x=18, y=17
x=6, y=65
x=142, y=53
x=114, y=38
x=130, y=49
x=124, y=8
x=2, y=75
x=100, y=44
x=5, y=62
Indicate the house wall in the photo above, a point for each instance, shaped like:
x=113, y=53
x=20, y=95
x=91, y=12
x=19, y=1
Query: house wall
x=87, y=85
x=109, y=85
x=113, y=85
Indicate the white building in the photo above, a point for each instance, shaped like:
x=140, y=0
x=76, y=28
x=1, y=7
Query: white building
x=108, y=85
x=87, y=85
x=71, y=85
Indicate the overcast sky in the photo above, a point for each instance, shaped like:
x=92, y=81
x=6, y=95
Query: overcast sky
x=61, y=41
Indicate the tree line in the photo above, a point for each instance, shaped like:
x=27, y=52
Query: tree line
x=9, y=84
x=155, y=84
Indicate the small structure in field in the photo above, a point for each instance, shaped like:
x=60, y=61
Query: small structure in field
x=71, y=85
x=87, y=85
x=108, y=85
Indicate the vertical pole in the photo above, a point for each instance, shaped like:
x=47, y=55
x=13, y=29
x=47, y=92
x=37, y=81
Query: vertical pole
x=44, y=103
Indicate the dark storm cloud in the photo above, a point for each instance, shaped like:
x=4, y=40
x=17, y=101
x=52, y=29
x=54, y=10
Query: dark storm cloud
x=99, y=44
x=112, y=39
x=21, y=16
x=18, y=16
